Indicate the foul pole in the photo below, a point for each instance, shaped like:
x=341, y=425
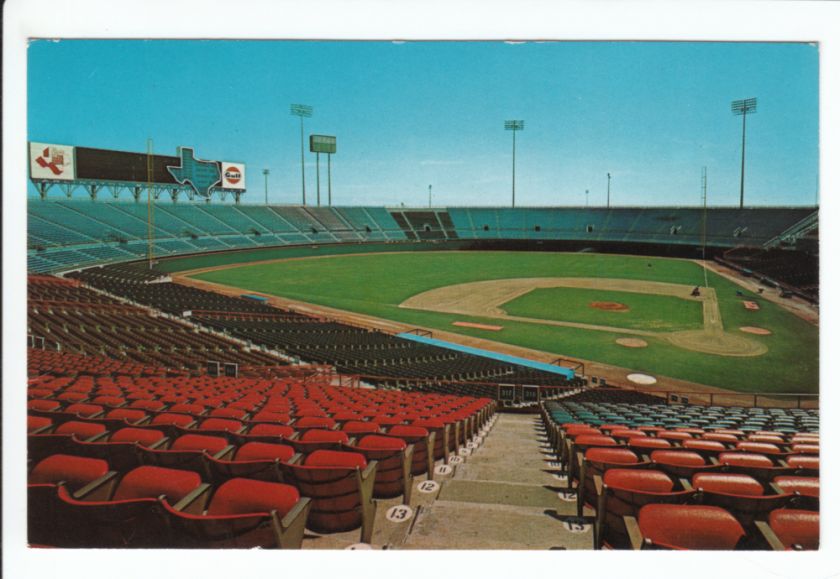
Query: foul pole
x=150, y=164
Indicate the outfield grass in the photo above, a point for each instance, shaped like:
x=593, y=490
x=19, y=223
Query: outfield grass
x=646, y=312
x=376, y=284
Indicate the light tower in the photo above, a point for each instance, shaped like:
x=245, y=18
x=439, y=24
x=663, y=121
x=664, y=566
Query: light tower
x=514, y=126
x=265, y=172
x=744, y=107
x=303, y=112
x=609, y=178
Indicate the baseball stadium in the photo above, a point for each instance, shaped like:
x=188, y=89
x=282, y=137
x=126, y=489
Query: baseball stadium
x=209, y=368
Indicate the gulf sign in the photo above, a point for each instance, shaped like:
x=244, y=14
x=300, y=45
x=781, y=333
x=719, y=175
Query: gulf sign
x=233, y=175
x=48, y=161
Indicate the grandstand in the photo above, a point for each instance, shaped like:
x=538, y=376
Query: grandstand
x=70, y=234
x=163, y=415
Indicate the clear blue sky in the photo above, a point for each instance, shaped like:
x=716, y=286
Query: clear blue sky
x=412, y=114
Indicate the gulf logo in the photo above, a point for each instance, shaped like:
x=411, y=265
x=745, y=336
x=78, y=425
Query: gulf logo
x=233, y=175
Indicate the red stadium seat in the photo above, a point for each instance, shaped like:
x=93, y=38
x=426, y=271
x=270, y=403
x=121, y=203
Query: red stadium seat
x=681, y=527
x=806, y=489
x=74, y=471
x=130, y=518
x=358, y=427
x=622, y=492
x=340, y=485
x=37, y=424
x=423, y=442
x=682, y=463
x=252, y=460
x=394, y=458
x=805, y=465
x=187, y=452
x=742, y=495
x=595, y=462
x=243, y=513
x=316, y=439
x=792, y=529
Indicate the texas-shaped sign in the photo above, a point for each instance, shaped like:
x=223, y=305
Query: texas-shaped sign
x=201, y=175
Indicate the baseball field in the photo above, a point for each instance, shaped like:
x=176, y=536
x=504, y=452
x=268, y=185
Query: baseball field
x=639, y=313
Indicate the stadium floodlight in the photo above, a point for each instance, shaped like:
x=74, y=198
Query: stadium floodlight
x=609, y=178
x=744, y=107
x=514, y=126
x=303, y=112
x=265, y=172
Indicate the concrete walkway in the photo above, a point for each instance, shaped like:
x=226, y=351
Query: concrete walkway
x=504, y=496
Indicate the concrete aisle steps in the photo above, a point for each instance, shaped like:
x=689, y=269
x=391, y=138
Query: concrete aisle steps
x=505, y=495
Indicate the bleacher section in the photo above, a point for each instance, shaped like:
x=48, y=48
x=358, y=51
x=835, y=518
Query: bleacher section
x=78, y=320
x=792, y=270
x=86, y=228
x=127, y=460
x=655, y=475
x=725, y=227
x=382, y=358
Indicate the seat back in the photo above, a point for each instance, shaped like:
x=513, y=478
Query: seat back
x=332, y=480
x=689, y=527
x=625, y=492
x=393, y=471
x=75, y=471
x=423, y=442
x=796, y=529
x=57, y=519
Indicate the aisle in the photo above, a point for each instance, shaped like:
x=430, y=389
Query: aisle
x=504, y=496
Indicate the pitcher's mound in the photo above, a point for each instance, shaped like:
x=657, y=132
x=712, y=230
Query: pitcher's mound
x=755, y=330
x=631, y=342
x=609, y=306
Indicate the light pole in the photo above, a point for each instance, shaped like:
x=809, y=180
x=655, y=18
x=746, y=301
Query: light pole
x=609, y=178
x=265, y=172
x=587, y=197
x=430, y=196
x=301, y=111
x=744, y=107
x=329, y=180
x=514, y=126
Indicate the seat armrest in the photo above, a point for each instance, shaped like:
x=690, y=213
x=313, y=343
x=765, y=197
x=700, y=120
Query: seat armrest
x=366, y=479
x=160, y=444
x=633, y=531
x=769, y=535
x=97, y=437
x=430, y=455
x=686, y=485
x=195, y=501
x=408, y=479
x=100, y=489
x=289, y=530
x=225, y=453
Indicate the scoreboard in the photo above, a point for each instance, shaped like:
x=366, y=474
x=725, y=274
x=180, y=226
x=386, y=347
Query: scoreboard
x=321, y=144
x=50, y=163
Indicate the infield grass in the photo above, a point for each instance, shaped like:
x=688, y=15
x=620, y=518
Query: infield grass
x=375, y=284
x=644, y=311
